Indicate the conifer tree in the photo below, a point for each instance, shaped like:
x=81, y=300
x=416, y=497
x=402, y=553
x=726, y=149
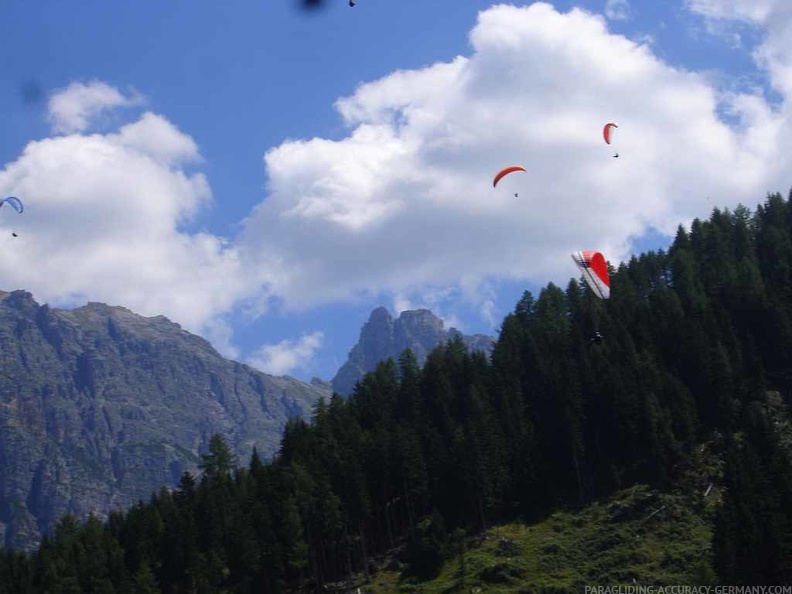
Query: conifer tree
x=219, y=461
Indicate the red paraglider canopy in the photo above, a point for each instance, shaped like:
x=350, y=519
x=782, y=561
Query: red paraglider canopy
x=595, y=271
x=607, y=131
x=504, y=172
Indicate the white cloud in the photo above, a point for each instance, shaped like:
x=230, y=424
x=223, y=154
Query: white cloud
x=488, y=312
x=72, y=109
x=753, y=10
x=404, y=203
x=156, y=137
x=102, y=222
x=402, y=303
x=451, y=320
x=403, y=206
x=617, y=10
x=436, y=300
x=287, y=355
x=644, y=39
x=219, y=333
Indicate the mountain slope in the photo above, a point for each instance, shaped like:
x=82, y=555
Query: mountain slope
x=100, y=406
x=382, y=338
x=638, y=536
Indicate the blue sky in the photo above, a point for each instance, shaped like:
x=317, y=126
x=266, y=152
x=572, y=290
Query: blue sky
x=266, y=176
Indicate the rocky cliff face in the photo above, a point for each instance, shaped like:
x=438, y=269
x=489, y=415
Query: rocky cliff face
x=99, y=407
x=382, y=337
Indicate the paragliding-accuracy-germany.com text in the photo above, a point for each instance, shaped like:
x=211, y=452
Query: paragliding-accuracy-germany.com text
x=635, y=589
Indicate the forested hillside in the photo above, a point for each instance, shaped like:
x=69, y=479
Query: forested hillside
x=690, y=388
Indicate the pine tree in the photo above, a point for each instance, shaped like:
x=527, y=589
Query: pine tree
x=220, y=461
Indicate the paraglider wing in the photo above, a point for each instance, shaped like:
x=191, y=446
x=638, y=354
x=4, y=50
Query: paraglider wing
x=504, y=172
x=13, y=201
x=607, y=131
x=595, y=271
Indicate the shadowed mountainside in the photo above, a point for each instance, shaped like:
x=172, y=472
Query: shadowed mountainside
x=100, y=406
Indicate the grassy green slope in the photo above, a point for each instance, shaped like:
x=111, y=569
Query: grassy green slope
x=638, y=536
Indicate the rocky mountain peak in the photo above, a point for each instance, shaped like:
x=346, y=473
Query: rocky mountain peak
x=382, y=337
x=380, y=313
x=420, y=321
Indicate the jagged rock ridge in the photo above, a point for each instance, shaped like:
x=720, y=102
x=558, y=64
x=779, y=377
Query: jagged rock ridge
x=99, y=407
x=382, y=337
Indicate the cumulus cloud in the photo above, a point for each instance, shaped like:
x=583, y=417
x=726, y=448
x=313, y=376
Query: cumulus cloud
x=404, y=202
x=287, y=355
x=102, y=222
x=402, y=207
x=617, y=10
x=156, y=137
x=72, y=109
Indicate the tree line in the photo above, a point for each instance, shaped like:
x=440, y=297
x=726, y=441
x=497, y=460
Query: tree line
x=697, y=357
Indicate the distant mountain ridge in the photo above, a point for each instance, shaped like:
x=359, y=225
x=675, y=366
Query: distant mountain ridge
x=382, y=337
x=100, y=406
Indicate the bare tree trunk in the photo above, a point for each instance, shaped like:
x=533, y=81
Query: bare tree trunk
x=410, y=512
x=481, y=510
x=365, y=553
x=388, y=523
